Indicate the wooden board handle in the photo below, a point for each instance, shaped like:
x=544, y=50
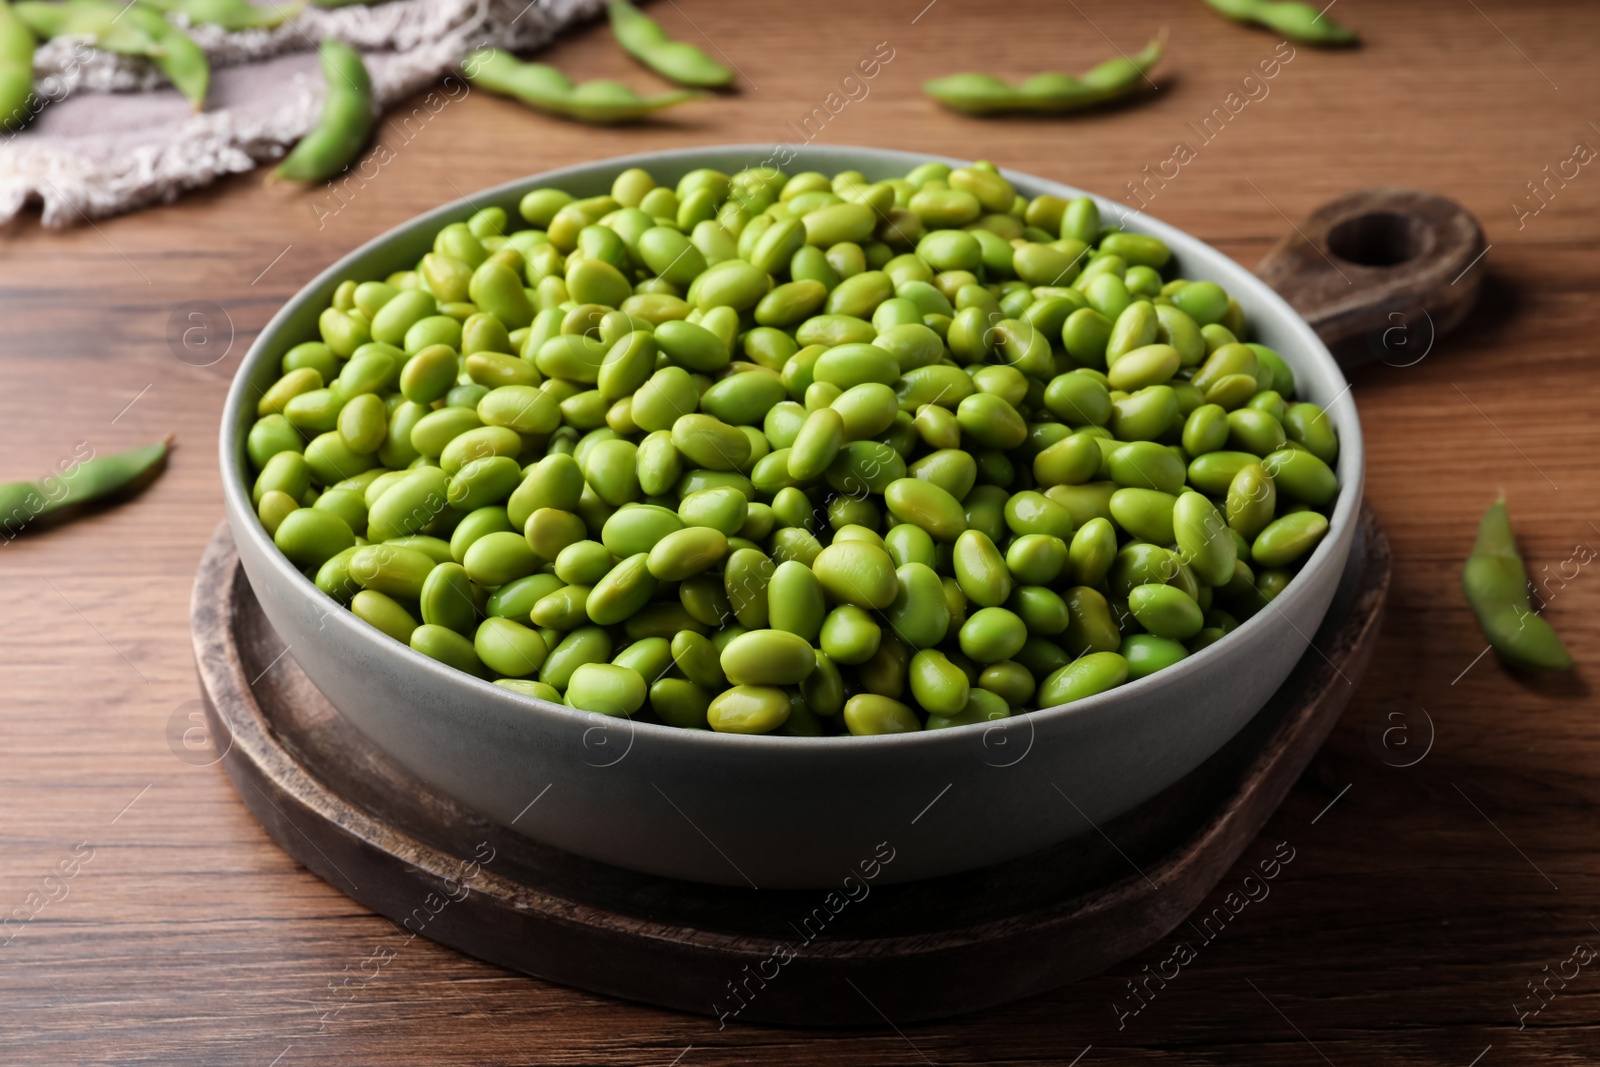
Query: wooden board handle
x=1376, y=265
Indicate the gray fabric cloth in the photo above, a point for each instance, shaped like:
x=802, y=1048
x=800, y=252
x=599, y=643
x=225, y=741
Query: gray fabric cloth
x=111, y=134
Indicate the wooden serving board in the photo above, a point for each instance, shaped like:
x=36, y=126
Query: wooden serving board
x=903, y=952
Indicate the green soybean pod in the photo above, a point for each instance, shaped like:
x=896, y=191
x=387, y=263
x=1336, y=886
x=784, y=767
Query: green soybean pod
x=16, y=68
x=346, y=121
x=1495, y=582
x=1296, y=21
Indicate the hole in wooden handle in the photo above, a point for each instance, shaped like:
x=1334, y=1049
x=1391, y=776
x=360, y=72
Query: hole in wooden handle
x=1357, y=263
x=1380, y=239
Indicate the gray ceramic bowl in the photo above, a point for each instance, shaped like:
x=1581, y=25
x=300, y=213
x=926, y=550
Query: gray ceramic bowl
x=782, y=811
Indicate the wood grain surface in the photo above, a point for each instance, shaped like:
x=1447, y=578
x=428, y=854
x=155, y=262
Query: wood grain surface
x=149, y=920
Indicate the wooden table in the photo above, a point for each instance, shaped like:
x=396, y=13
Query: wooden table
x=1422, y=899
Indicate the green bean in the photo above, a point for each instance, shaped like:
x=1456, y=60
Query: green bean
x=99, y=19
x=16, y=68
x=737, y=475
x=83, y=482
x=1052, y=93
x=345, y=125
x=230, y=15
x=642, y=38
x=1496, y=585
x=178, y=57
x=546, y=89
x=131, y=29
x=1297, y=21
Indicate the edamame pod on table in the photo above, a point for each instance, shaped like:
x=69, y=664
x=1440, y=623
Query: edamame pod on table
x=1053, y=93
x=643, y=39
x=346, y=123
x=86, y=482
x=87, y=18
x=178, y=57
x=1297, y=21
x=227, y=14
x=16, y=68
x=129, y=29
x=1496, y=584
x=546, y=89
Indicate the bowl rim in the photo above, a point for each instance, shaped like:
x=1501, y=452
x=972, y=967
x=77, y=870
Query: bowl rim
x=1234, y=276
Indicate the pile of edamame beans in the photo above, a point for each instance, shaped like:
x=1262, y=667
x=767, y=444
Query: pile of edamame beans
x=794, y=453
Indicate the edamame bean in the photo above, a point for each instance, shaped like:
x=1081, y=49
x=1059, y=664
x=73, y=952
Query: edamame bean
x=1084, y=677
